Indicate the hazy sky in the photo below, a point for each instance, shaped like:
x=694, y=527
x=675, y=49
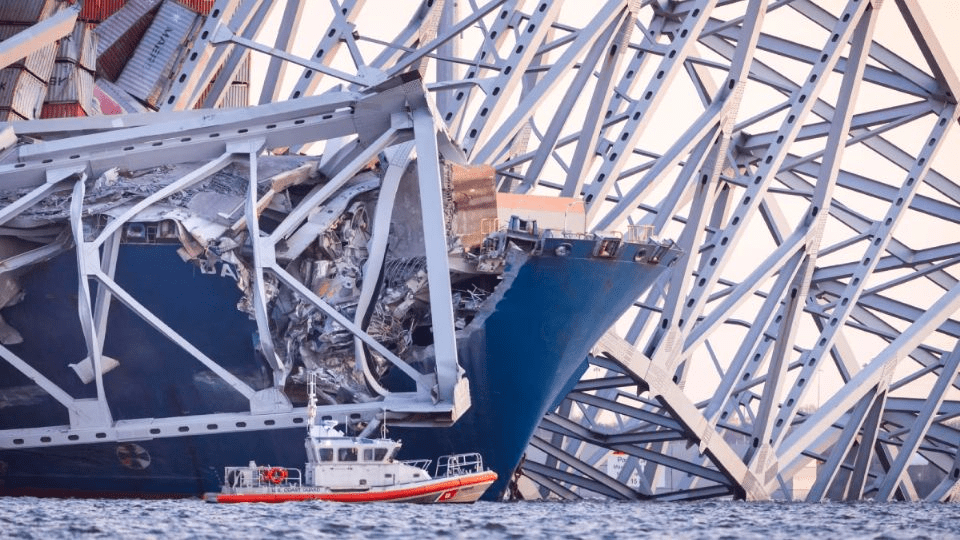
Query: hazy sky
x=944, y=18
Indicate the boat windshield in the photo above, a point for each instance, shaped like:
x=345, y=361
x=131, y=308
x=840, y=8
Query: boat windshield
x=347, y=454
x=374, y=454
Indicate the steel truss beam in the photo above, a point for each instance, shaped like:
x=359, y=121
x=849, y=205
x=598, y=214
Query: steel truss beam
x=29, y=40
x=217, y=141
x=779, y=124
x=791, y=147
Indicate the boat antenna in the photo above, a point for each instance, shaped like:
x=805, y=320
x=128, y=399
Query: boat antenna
x=312, y=402
x=383, y=425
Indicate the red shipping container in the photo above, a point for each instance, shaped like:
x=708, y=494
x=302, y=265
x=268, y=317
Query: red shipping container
x=107, y=105
x=99, y=10
x=111, y=62
x=202, y=7
x=62, y=110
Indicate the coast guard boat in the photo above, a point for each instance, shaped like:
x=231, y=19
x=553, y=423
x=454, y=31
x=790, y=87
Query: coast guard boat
x=356, y=469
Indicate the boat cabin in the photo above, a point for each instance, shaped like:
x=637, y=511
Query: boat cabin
x=339, y=462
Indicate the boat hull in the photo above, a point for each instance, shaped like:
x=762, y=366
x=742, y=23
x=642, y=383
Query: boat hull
x=461, y=489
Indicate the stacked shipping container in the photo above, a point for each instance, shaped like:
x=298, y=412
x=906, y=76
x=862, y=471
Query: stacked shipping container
x=70, y=90
x=97, y=11
x=120, y=34
x=146, y=75
x=105, y=61
x=24, y=83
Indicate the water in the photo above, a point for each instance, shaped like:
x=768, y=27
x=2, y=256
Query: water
x=53, y=518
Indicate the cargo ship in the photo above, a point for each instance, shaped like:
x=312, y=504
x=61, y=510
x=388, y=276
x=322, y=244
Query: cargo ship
x=168, y=286
x=526, y=344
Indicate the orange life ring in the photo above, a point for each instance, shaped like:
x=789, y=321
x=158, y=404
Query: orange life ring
x=275, y=475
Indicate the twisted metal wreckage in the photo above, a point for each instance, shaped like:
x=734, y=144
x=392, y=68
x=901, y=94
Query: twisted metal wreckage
x=804, y=345
x=204, y=181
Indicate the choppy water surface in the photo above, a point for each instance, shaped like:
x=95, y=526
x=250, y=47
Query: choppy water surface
x=52, y=518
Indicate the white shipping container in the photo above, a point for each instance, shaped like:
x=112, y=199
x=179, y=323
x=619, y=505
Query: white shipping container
x=236, y=96
x=70, y=83
x=79, y=47
x=147, y=74
x=6, y=115
x=243, y=70
x=22, y=92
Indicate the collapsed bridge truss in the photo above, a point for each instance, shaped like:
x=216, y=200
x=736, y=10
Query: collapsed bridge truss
x=807, y=343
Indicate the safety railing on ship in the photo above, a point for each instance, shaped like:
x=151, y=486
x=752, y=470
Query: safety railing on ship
x=458, y=464
x=419, y=463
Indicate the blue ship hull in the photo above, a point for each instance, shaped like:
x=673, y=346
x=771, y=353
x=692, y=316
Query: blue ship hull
x=519, y=355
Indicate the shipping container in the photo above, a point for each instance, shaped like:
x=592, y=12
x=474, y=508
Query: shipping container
x=40, y=63
x=108, y=98
x=148, y=73
x=202, y=7
x=26, y=11
x=70, y=83
x=237, y=95
x=243, y=71
x=22, y=92
x=96, y=11
x=7, y=115
x=62, y=110
x=79, y=47
x=118, y=36
x=242, y=76
x=123, y=22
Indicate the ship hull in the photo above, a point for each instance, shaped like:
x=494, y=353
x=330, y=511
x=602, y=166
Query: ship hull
x=520, y=354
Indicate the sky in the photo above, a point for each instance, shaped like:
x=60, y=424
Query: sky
x=944, y=19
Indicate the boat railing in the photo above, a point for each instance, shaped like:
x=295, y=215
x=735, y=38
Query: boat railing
x=556, y=233
x=419, y=463
x=263, y=476
x=638, y=234
x=458, y=464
